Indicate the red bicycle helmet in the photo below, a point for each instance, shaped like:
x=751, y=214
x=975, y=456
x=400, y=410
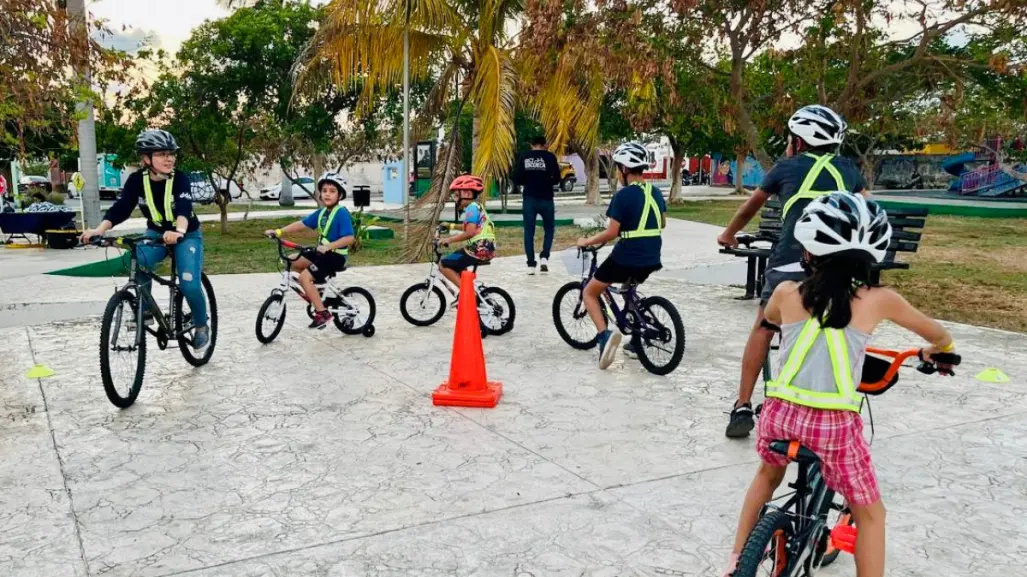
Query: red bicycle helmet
x=468, y=182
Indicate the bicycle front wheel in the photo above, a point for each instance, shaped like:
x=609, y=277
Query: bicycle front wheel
x=422, y=307
x=571, y=318
x=122, y=349
x=271, y=318
x=766, y=550
x=185, y=327
x=661, y=342
x=497, y=311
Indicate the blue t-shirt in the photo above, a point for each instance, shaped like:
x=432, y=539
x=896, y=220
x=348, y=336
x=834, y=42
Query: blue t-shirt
x=342, y=225
x=473, y=215
x=626, y=208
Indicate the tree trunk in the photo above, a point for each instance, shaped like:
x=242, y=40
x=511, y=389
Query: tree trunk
x=475, y=139
x=592, y=196
x=742, y=117
x=285, y=197
x=611, y=174
x=675, y=170
x=90, y=193
x=739, y=169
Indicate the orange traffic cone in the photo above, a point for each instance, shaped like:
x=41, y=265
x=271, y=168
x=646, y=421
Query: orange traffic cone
x=467, y=386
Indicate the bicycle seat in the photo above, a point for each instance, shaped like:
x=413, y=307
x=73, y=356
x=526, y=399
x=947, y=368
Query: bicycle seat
x=474, y=268
x=794, y=451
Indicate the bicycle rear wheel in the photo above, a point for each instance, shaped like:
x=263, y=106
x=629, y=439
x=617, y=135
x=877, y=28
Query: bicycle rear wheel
x=661, y=343
x=271, y=318
x=498, y=311
x=358, y=320
x=122, y=351
x=571, y=318
x=766, y=550
x=184, y=322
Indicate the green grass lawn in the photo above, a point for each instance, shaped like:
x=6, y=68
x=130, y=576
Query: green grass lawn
x=968, y=269
x=245, y=250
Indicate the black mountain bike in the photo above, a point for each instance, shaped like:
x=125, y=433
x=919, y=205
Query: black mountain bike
x=795, y=539
x=124, y=328
x=652, y=323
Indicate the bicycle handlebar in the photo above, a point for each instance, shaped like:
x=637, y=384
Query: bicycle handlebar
x=594, y=249
x=883, y=374
x=123, y=241
x=288, y=244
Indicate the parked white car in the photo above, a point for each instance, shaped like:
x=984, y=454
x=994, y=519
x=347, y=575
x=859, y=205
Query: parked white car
x=203, y=192
x=302, y=187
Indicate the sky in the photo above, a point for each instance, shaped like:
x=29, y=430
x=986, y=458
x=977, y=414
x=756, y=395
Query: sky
x=166, y=23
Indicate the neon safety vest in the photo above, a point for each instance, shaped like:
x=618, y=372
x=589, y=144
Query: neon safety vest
x=487, y=232
x=806, y=190
x=155, y=214
x=839, y=395
x=650, y=207
x=323, y=226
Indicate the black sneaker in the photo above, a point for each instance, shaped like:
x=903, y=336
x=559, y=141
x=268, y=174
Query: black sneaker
x=321, y=319
x=741, y=423
x=630, y=350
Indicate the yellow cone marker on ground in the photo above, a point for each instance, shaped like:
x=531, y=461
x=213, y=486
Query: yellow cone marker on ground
x=39, y=372
x=992, y=376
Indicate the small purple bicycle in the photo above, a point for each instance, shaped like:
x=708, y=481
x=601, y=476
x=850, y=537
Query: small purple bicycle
x=652, y=324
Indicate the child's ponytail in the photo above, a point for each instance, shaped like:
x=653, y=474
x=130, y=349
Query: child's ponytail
x=832, y=284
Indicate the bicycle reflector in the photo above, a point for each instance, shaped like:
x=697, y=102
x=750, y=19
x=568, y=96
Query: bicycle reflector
x=843, y=538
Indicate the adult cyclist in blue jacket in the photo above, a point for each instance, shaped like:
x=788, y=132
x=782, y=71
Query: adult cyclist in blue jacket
x=162, y=194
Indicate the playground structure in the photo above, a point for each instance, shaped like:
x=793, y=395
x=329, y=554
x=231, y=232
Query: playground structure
x=994, y=179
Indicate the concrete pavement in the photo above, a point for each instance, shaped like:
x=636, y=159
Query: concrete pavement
x=321, y=454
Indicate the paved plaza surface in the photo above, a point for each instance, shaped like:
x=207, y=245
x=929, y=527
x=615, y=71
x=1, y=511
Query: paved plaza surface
x=322, y=455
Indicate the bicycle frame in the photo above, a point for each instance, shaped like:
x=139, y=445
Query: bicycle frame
x=436, y=278
x=146, y=299
x=808, y=506
x=330, y=293
x=630, y=296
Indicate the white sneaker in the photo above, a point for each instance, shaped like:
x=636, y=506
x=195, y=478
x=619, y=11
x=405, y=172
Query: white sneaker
x=544, y=265
x=531, y=271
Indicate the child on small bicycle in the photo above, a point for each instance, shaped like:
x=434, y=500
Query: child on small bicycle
x=478, y=235
x=335, y=234
x=637, y=215
x=826, y=323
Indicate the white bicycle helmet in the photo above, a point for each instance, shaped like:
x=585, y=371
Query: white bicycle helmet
x=818, y=125
x=631, y=155
x=842, y=221
x=335, y=178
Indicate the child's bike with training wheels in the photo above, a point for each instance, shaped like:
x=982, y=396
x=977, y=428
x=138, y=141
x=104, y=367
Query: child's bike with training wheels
x=424, y=303
x=796, y=538
x=125, y=323
x=652, y=323
x=352, y=308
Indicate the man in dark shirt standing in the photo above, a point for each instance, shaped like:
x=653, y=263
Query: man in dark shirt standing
x=537, y=172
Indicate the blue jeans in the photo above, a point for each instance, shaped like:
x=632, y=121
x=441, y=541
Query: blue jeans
x=531, y=208
x=188, y=262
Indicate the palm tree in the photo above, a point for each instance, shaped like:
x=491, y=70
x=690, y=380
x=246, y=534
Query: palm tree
x=465, y=44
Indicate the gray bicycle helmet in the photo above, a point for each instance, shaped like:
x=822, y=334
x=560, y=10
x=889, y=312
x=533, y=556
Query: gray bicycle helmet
x=150, y=141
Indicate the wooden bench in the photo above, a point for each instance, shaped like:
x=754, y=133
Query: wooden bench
x=906, y=223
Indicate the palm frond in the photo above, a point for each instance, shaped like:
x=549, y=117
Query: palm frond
x=362, y=43
x=494, y=94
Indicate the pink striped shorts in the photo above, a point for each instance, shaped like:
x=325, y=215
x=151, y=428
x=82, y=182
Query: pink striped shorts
x=835, y=436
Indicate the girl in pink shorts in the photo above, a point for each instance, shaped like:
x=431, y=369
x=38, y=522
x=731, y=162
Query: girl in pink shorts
x=826, y=323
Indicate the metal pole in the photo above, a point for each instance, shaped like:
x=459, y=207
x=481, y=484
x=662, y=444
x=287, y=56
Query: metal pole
x=90, y=193
x=406, y=124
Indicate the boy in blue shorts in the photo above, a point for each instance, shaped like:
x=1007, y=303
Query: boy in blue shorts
x=479, y=234
x=637, y=215
x=335, y=234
